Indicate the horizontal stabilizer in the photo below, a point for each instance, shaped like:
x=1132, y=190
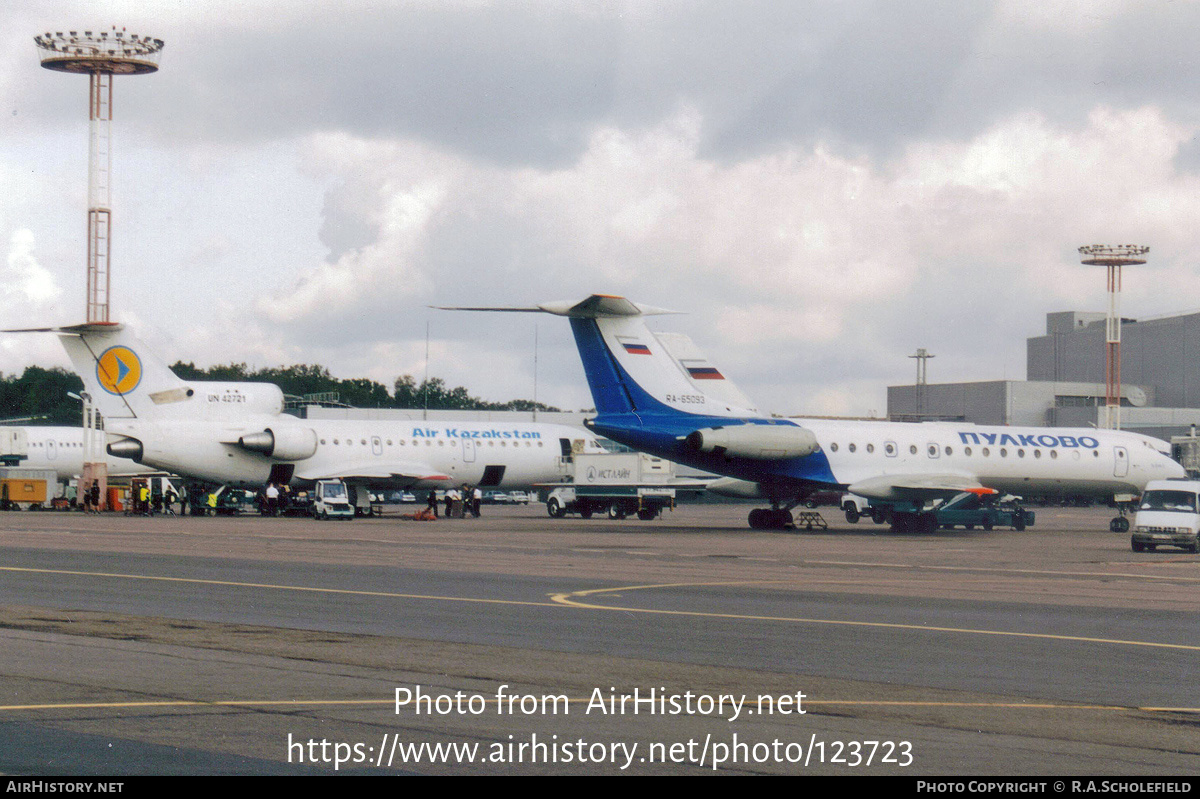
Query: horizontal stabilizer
x=596, y=306
x=89, y=327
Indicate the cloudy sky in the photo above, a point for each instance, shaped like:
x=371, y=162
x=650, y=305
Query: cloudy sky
x=823, y=187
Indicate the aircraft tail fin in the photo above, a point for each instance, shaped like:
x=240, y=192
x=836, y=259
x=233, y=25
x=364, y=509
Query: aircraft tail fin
x=632, y=370
x=124, y=378
x=127, y=380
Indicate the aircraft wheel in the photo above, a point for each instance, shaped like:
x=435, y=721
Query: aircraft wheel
x=1119, y=524
x=756, y=519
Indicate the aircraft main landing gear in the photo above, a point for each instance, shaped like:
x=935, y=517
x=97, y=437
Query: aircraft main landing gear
x=770, y=519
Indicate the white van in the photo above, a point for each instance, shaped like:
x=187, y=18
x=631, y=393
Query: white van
x=1168, y=514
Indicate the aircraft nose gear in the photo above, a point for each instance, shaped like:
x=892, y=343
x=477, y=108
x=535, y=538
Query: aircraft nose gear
x=1120, y=522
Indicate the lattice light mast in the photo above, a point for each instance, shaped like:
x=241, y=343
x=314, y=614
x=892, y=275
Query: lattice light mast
x=100, y=55
x=1113, y=257
x=922, y=356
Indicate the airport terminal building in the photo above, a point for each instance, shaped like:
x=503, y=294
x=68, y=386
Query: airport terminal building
x=1065, y=386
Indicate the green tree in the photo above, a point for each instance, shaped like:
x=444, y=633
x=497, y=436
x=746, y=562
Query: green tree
x=42, y=394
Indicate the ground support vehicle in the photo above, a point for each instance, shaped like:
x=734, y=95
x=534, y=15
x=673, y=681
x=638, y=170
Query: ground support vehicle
x=964, y=510
x=221, y=501
x=855, y=507
x=22, y=488
x=618, y=484
x=1168, y=514
x=618, y=502
x=971, y=511
x=331, y=500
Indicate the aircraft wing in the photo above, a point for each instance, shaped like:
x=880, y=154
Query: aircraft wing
x=917, y=486
x=399, y=471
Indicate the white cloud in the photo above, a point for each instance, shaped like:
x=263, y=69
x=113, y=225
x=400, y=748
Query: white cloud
x=822, y=204
x=799, y=253
x=25, y=282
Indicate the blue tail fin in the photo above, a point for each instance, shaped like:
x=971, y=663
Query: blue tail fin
x=630, y=370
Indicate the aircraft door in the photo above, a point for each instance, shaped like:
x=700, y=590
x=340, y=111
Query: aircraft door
x=468, y=450
x=376, y=445
x=51, y=449
x=1120, y=462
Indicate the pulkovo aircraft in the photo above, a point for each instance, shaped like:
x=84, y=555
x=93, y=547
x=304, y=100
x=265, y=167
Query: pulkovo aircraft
x=237, y=434
x=657, y=392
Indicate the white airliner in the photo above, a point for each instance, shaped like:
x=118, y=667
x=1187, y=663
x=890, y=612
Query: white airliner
x=61, y=449
x=237, y=434
x=656, y=392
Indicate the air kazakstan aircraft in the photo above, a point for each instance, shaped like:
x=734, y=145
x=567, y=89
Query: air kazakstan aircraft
x=237, y=434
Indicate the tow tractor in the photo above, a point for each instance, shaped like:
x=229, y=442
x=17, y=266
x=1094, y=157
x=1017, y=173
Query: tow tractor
x=966, y=510
x=331, y=500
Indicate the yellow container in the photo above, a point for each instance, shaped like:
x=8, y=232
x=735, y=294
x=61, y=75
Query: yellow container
x=17, y=489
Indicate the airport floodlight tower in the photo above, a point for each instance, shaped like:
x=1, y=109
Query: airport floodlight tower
x=99, y=55
x=1113, y=257
x=922, y=355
